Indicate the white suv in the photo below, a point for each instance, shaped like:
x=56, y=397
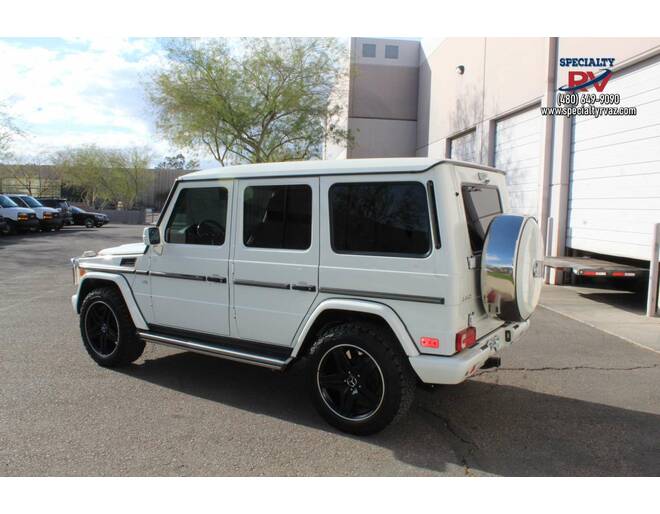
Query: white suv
x=382, y=273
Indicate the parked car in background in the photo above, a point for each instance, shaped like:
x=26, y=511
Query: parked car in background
x=49, y=218
x=61, y=204
x=89, y=219
x=19, y=219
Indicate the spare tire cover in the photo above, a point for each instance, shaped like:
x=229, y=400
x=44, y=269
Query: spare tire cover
x=512, y=267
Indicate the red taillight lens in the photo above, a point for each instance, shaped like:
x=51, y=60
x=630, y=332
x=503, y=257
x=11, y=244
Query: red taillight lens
x=466, y=338
x=429, y=342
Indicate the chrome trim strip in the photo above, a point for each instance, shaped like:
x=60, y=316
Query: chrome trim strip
x=385, y=296
x=214, y=351
x=256, y=283
x=181, y=276
x=141, y=272
x=112, y=269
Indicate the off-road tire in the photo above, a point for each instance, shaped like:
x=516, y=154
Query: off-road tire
x=382, y=347
x=129, y=347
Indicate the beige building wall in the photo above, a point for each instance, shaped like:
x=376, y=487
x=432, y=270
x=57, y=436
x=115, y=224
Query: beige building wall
x=500, y=75
x=382, y=102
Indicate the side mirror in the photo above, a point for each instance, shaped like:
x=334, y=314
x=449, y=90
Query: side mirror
x=151, y=236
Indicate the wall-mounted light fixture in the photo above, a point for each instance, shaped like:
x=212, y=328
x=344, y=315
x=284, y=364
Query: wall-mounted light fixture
x=460, y=69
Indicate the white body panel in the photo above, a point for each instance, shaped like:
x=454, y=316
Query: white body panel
x=198, y=305
x=518, y=153
x=273, y=314
x=615, y=172
x=11, y=213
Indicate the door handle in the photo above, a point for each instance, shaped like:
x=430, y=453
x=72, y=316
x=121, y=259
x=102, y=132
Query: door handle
x=310, y=289
x=217, y=280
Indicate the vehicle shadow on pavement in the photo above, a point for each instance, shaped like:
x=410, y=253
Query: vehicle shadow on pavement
x=478, y=426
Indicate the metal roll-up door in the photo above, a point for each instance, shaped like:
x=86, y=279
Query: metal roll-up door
x=614, y=195
x=518, y=153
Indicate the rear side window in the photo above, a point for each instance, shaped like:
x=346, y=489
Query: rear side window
x=482, y=204
x=199, y=217
x=380, y=218
x=277, y=217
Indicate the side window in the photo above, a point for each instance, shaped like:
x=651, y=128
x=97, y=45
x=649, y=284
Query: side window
x=482, y=204
x=380, y=218
x=199, y=217
x=277, y=217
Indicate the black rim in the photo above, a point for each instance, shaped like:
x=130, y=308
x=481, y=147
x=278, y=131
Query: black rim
x=350, y=382
x=101, y=328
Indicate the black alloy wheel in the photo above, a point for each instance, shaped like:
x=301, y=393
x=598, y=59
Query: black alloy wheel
x=350, y=382
x=102, y=328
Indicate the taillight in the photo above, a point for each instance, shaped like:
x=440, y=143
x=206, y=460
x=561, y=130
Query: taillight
x=466, y=338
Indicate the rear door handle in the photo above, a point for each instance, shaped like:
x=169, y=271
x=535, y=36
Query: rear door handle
x=310, y=289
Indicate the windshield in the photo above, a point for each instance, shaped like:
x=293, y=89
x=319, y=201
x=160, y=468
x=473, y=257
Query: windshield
x=6, y=202
x=76, y=209
x=32, y=202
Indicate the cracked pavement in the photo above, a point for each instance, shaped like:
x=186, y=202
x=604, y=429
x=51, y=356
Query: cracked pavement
x=568, y=400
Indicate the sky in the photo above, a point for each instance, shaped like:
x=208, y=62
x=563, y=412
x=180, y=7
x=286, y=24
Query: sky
x=70, y=92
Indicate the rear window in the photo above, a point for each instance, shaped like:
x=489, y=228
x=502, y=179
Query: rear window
x=380, y=218
x=482, y=204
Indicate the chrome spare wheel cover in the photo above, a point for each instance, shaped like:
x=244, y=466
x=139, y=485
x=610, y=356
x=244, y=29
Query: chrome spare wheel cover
x=512, y=267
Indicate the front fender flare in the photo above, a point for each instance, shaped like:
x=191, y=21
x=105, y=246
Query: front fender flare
x=378, y=309
x=121, y=282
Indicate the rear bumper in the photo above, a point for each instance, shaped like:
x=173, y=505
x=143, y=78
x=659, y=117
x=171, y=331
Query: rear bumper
x=433, y=369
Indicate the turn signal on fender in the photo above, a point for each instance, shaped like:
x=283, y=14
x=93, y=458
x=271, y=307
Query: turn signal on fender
x=429, y=342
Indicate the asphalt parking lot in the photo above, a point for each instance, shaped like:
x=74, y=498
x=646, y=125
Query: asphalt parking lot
x=569, y=400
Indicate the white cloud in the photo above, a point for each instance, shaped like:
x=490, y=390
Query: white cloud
x=79, y=91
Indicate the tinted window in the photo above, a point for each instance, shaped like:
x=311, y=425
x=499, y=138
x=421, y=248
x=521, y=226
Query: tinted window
x=199, y=217
x=380, y=218
x=368, y=50
x=482, y=204
x=19, y=201
x=7, y=202
x=277, y=217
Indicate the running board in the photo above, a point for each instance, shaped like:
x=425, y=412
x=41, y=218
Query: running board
x=215, y=350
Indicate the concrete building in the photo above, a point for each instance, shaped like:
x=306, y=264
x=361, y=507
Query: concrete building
x=593, y=183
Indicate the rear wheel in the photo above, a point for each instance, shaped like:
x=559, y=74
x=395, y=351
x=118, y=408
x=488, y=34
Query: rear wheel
x=107, y=329
x=358, y=378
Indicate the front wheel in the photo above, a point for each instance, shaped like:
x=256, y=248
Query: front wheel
x=107, y=329
x=359, y=379
x=89, y=223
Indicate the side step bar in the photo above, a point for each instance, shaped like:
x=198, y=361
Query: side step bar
x=215, y=350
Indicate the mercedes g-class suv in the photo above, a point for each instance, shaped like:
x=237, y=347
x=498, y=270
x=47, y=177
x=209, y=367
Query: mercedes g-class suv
x=378, y=274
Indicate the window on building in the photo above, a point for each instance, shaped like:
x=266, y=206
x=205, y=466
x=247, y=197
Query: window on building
x=368, y=50
x=482, y=204
x=278, y=217
x=199, y=217
x=380, y=218
x=391, y=52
